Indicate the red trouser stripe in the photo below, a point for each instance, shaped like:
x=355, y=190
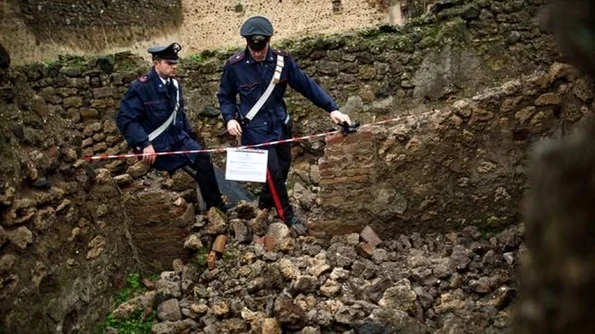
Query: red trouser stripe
x=276, y=199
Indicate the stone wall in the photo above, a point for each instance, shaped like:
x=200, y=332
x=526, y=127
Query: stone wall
x=67, y=232
x=379, y=73
x=445, y=169
x=372, y=74
x=37, y=30
x=53, y=113
x=64, y=240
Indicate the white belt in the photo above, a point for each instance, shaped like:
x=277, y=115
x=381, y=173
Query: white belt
x=172, y=117
x=276, y=78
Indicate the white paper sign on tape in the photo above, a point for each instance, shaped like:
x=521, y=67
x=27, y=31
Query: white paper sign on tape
x=246, y=165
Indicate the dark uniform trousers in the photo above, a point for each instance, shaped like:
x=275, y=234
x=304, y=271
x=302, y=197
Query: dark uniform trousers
x=206, y=180
x=274, y=192
x=203, y=166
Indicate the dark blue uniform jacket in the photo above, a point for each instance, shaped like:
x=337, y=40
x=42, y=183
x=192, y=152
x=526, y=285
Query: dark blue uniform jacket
x=147, y=104
x=243, y=76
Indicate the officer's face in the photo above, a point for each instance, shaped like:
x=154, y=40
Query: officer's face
x=259, y=55
x=165, y=68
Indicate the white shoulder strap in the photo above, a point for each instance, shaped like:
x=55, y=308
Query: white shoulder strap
x=172, y=117
x=276, y=77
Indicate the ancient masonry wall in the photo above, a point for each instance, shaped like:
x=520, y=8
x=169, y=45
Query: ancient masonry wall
x=53, y=113
x=449, y=168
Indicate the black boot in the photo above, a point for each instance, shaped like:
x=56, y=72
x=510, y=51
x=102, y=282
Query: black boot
x=223, y=207
x=297, y=227
x=207, y=182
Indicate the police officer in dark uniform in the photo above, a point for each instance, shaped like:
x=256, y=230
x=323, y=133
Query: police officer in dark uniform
x=249, y=74
x=152, y=119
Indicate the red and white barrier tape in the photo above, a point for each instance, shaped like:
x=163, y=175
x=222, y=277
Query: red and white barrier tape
x=224, y=149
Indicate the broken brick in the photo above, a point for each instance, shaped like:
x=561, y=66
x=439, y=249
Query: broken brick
x=219, y=243
x=370, y=237
x=269, y=243
x=211, y=258
x=364, y=249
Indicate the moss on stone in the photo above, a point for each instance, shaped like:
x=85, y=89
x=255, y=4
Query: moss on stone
x=127, y=62
x=454, y=31
x=403, y=43
x=200, y=57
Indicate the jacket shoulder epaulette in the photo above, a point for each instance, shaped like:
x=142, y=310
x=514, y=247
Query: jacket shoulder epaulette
x=237, y=57
x=281, y=52
x=143, y=78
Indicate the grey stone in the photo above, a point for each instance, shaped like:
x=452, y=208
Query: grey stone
x=424, y=297
x=6, y=262
x=193, y=242
x=217, y=222
x=21, y=237
x=400, y=297
x=138, y=169
x=379, y=255
x=173, y=327
x=341, y=255
x=347, y=315
x=460, y=258
x=385, y=320
x=305, y=283
x=442, y=268
x=377, y=289
x=482, y=285
x=242, y=232
x=508, y=257
x=167, y=289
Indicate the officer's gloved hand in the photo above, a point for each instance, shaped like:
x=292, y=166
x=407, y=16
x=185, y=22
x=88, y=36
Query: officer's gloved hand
x=339, y=117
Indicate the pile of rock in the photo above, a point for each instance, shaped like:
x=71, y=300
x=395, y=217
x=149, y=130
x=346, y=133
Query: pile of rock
x=264, y=281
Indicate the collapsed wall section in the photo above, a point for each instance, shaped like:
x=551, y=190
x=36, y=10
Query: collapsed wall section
x=445, y=169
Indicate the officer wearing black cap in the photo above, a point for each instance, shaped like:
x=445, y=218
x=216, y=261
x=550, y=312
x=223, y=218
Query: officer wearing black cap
x=252, y=74
x=152, y=119
x=257, y=31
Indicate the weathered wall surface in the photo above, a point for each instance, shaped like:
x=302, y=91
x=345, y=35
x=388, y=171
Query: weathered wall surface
x=559, y=267
x=375, y=75
x=64, y=241
x=68, y=233
x=445, y=169
x=54, y=113
x=35, y=29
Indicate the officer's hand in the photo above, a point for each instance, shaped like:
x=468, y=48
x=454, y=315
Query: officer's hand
x=234, y=128
x=149, y=154
x=339, y=117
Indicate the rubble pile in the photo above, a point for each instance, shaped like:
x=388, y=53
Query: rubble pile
x=249, y=275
